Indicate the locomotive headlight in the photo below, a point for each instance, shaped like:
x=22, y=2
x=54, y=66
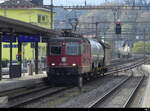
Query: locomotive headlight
x=53, y=64
x=63, y=59
x=74, y=64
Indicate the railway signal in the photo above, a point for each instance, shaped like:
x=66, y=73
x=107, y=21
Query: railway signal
x=118, y=28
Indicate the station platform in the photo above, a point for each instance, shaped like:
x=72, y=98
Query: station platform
x=25, y=81
x=146, y=98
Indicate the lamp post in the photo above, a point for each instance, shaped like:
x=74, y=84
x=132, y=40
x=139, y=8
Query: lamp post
x=97, y=30
x=0, y=56
x=113, y=42
x=85, y=3
x=144, y=45
x=51, y=14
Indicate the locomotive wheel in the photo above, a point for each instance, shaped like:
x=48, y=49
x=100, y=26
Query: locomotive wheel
x=86, y=77
x=98, y=76
x=95, y=73
x=102, y=72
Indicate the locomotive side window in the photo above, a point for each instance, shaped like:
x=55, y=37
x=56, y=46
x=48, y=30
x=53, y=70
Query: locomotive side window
x=72, y=48
x=83, y=49
x=55, y=50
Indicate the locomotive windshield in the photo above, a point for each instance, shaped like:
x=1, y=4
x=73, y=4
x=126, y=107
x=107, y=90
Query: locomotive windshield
x=55, y=50
x=72, y=48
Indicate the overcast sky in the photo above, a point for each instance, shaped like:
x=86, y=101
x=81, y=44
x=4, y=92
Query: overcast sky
x=1, y=1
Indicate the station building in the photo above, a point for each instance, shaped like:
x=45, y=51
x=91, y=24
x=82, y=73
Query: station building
x=30, y=12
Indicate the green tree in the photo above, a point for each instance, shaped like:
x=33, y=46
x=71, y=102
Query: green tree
x=138, y=47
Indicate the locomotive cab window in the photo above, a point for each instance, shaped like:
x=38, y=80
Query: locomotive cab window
x=72, y=48
x=55, y=50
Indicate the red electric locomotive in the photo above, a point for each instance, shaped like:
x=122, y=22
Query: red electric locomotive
x=72, y=57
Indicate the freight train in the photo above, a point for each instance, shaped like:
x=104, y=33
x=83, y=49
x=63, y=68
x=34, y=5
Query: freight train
x=71, y=59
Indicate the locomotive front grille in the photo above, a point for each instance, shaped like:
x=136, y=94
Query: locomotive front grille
x=63, y=71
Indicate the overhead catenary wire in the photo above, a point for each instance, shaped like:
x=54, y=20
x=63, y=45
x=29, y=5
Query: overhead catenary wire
x=97, y=2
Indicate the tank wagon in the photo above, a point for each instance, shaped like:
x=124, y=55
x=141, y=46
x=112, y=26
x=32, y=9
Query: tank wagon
x=70, y=58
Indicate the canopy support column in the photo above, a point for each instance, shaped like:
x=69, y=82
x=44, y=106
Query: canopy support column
x=10, y=62
x=36, y=58
x=0, y=57
x=20, y=56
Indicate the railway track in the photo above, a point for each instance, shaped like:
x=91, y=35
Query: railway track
x=124, y=67
x=121, y=60
x=21, y=96
x=27, y=99
x=103, y=94
x=114, y=98
x=21, y=89
x=118, y=63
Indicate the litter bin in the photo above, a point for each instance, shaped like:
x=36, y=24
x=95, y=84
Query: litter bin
x=30, y=69
x=15, y=71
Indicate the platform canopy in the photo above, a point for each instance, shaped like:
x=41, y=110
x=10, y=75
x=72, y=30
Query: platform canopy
x=19, y=27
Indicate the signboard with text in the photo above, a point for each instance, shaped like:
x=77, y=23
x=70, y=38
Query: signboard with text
x=21, y=38
x=33, y=38
x=8, y=38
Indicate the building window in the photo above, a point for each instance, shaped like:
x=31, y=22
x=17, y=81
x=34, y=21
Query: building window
x=47, y=19
x=39, y=18
x=42, y=19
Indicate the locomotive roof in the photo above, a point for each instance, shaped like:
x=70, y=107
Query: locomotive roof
x=77, y=39
x=67, y=39
x=105, y=45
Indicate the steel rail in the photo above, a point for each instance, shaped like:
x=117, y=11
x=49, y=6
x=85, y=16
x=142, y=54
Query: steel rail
x=28, y=92
x=140, y=62
x=117, y=63
x=101, y=99
x=128, y=102
x=12, y=91
x=34, y=97
x=57, y=91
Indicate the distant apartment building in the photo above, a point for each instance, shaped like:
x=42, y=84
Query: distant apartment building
x=29, y=11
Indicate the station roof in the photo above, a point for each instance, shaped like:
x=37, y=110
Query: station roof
x=17, y=3
x=19, y=27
